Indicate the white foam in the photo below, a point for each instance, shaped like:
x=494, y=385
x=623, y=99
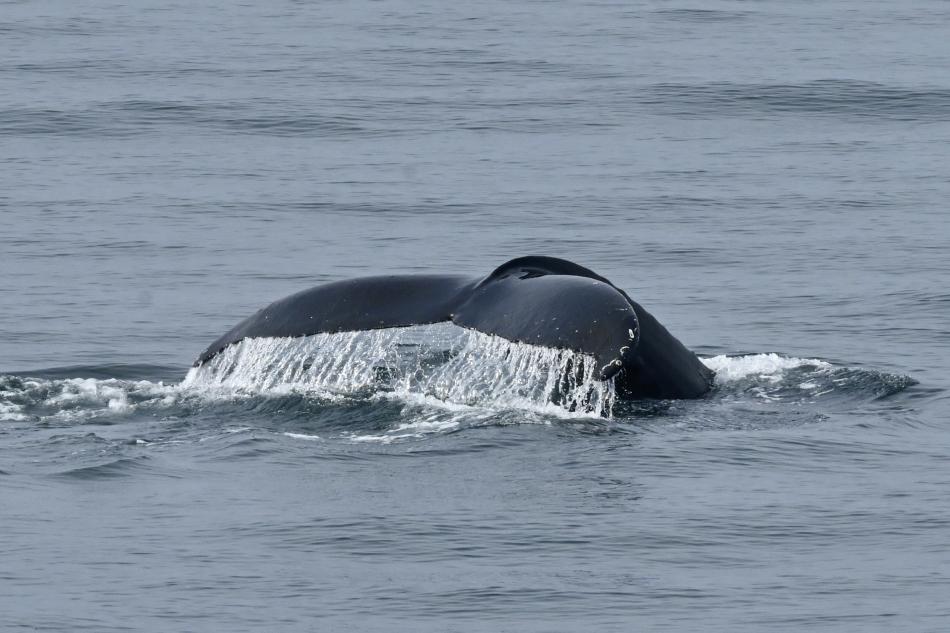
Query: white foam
x=422, y=424
x=10, y=412
x=381, y=439
x=768, y=367
x=78, y=398
x=303, y=436
x=445, y=365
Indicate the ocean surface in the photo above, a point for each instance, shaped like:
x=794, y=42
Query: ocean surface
x=770, y=179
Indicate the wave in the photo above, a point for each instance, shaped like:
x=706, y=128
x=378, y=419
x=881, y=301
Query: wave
x=859, y=99
x=115, y=467
x=701, y=15
x=133, y=118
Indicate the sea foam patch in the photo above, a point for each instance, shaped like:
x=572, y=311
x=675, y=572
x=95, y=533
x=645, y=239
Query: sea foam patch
x=770, y=367
x=69, y=399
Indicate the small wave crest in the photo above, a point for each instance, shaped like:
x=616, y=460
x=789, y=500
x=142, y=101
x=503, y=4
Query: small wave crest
x=110, y=468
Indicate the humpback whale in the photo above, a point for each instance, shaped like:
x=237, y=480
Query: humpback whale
x=534, y=300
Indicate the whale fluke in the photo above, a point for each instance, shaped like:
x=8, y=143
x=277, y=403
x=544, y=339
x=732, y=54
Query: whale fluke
x=535, y=300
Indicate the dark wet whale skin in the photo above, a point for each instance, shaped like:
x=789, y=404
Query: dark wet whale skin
x=535, y=300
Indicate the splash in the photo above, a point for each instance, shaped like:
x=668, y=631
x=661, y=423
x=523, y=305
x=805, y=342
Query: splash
x=71, y=399
x=777, y=378
x=423, y=380
x=444, y=364
x=768, y=367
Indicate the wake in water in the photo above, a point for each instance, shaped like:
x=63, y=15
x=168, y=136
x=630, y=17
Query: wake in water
x=387, y=385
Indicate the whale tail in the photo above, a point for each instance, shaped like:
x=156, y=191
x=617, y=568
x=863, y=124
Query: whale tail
x=535, y=300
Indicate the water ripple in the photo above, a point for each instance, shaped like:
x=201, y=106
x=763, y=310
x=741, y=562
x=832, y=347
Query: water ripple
x=830, y=97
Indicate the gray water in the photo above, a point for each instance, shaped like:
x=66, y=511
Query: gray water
x=768, y=178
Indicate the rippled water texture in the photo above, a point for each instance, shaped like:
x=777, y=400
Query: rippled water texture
x=769, y=179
